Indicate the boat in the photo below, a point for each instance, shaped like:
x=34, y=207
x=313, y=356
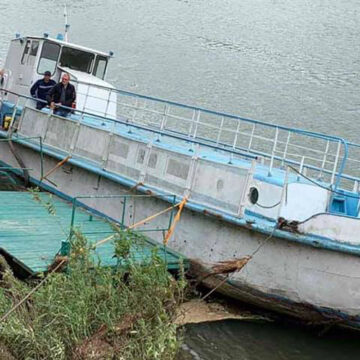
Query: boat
x=285, y=199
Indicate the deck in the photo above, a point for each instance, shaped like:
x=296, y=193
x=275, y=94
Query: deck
x=33, y=226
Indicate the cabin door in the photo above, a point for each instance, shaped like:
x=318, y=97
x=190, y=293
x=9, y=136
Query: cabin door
x=28, y=64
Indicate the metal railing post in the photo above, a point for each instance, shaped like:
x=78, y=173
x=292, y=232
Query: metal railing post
x=286, y=148
x=356, y=186
x=323, y=164
x=72, y=218
x=164, y=117
x=146, y=161
x=192, y=172
x=335, y=163
x=236, y=135
x=301, y=167
x=86, y=96
x=273, y=151
x=192, y=123
x=135, y=110
x=284, y=191
x=220, y=130
x=251, y=137
x=108, y=103
x=123, y=213
x=172, y=212
x=197, y=124
x=41, y=159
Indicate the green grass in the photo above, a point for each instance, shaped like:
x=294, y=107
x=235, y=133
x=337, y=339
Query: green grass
x=122, y=313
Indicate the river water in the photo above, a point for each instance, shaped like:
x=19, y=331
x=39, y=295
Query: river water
x=289, y=62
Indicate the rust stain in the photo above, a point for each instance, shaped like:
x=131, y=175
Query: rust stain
x=207, y=212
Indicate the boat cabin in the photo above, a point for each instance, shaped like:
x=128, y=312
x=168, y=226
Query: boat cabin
x=29, y=57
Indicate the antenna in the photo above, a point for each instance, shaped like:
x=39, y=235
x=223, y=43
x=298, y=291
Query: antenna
x=66, y=23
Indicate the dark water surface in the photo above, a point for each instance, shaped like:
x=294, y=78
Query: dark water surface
x=289, y=62
x=236, y=340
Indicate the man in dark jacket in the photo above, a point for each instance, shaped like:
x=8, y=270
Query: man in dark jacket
x=41, y=88
x=62, y=94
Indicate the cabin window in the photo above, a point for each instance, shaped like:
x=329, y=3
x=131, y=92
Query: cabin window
x=26, y=51
x=100, y=67
x=49, y=56
x=76, y=59
x=34, y=48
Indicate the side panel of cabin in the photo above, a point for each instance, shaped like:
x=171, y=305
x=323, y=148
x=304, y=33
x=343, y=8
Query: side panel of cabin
x=21, y=64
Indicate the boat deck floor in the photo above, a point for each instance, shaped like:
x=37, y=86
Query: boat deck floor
x=32, y=228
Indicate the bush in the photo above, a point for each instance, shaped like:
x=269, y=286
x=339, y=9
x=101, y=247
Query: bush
x=93, y=312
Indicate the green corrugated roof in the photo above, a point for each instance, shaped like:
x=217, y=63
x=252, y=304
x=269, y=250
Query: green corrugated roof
x=32, y=235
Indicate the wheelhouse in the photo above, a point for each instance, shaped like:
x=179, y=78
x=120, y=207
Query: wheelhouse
x=47, y=54
x=30, y=57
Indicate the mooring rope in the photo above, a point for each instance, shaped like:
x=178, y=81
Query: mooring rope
x=141, y=222
x=60, y=163
x=176, y=220
x=245, y=259
x=322, y=186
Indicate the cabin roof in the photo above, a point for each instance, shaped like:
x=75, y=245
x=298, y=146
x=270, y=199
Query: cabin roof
x=69, y=44
x=86, y=78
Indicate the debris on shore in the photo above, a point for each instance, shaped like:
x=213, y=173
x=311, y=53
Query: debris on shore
x=197, y=311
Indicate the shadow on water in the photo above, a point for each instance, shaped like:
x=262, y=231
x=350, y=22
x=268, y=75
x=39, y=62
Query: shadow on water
x=233, y=339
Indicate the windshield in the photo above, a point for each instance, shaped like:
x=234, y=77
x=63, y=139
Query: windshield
x=76, y=59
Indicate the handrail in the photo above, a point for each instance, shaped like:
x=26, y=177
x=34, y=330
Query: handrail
x=235, y=117
x=213, y=112
x=136, y=126
x=182, y=136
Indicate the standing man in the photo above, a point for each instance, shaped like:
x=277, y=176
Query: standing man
x=62, y=94
x=41, y=88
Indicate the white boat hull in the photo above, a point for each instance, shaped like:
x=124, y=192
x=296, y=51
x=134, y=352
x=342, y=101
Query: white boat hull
x=289, y=277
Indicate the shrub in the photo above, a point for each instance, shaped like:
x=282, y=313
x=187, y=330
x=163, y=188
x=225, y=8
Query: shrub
x=94, y=312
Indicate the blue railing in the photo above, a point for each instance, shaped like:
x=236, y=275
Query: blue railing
x=337, y=171
x=340, y=156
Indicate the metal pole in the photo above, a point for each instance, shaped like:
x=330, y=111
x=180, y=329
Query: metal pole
x=286, y=148
x=335, y=164
x=273, y=151
x=172, y=212
x=123, y=214
x=66, y=24
x=72, y=218
x=41, y=160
